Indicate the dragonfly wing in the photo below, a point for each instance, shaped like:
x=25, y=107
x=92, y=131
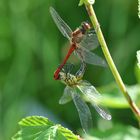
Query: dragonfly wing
x=90, y=57
x=62, y=26
x=104, y=113
x=90, y=40
x=83, y=111
x=67, y=68
x=95, y=98
x=89, y=91
x=66, y=97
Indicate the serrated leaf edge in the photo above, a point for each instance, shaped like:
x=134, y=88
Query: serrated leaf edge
x=39, y=121
x=35, y=121
x=139, y=8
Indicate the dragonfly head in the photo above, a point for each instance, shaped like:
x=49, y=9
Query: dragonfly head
x=85, y=26
x=62, y=77
x=62, y=73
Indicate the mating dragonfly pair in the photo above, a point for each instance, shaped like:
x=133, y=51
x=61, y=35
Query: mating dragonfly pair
x=82, y=41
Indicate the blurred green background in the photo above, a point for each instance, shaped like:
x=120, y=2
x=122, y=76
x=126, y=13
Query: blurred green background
x=31, y=48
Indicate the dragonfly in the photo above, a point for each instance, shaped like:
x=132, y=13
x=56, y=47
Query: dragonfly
x=82, y=41
x=80, y=91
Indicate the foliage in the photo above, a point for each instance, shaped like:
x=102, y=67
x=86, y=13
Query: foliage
x=40, y=128
x=138, y=57
x=139, y=8
x=81, y=2
x=118, y=132
x=31, y=48
x=114, y=99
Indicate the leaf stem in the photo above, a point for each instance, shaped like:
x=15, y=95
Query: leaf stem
x=109, y=59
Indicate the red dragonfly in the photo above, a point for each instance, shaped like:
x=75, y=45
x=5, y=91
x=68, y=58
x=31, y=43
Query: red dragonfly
x=82, y=41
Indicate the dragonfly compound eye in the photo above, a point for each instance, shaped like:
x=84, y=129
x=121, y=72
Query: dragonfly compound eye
x=85, y=26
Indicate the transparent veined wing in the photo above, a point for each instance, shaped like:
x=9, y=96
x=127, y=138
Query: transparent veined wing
x=68, y=67
x=89, y=91
x=62, y=26
x=82, y=69
x=95, y=98
x=90, y=40
x=83, y=111
x=104, y=113
x=90, y=57
x=66, y=97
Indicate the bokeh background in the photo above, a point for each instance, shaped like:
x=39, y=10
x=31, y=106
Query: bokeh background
x=31, y=48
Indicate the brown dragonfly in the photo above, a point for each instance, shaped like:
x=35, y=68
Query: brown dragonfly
x=79, y=91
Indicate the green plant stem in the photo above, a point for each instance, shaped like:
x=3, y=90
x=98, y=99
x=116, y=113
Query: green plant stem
x=109, y=59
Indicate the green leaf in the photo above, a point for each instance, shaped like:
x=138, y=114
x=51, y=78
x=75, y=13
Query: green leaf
x=138, y=58
x=35, y=121
x=139, y=8
x=118, y=132
x=86, y=2
x=137, y=73
x=81, y=3
x=40, y=128
x=113, y=97
x=91, y=1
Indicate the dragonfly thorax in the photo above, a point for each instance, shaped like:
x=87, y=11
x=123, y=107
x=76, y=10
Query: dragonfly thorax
x=69, y=79
x=77, y=36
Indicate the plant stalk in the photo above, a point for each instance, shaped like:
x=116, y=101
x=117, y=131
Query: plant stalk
x=109, y=60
